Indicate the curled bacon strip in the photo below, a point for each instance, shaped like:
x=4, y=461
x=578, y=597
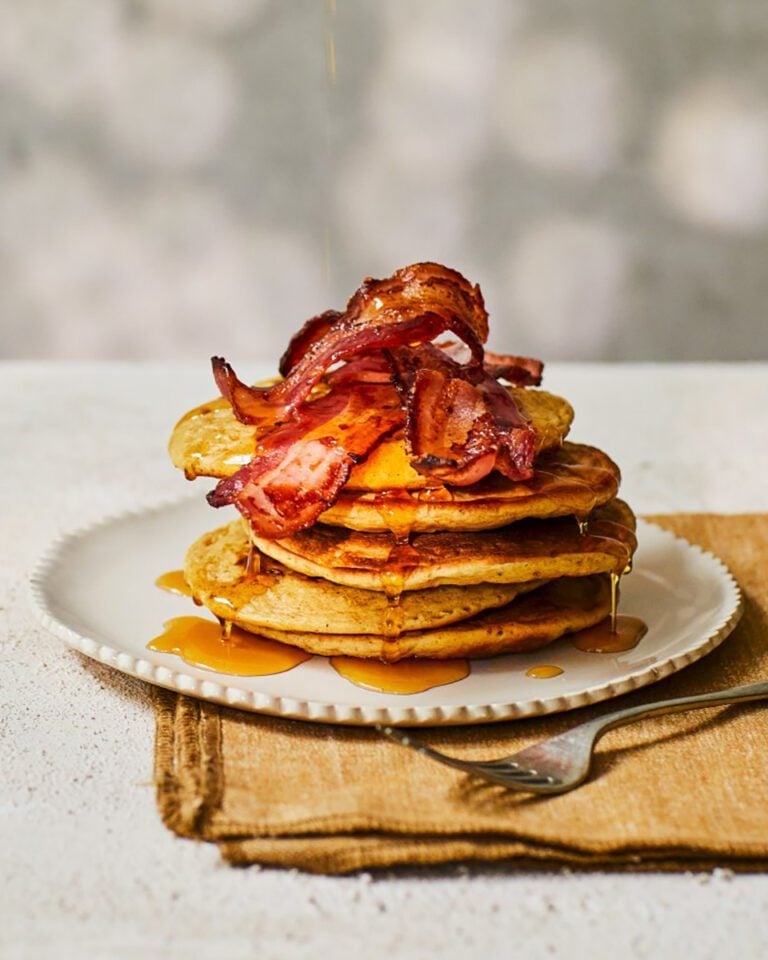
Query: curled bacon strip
x=312, y=331
x=369, y=368
x=522, y=371
x=249, y=404
x=301, y=465
x=416, y=304
x=515, y=436
x=461, y=423
x=449, y=433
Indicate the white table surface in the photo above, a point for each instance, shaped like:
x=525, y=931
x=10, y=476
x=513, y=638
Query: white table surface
x=86, y=867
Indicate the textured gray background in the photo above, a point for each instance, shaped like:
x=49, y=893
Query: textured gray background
x=187, y=177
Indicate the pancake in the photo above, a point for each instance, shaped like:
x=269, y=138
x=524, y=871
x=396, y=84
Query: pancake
x=209, y=442
x=573, y=479
x=527, y=550
x=528, y=622
x=275, y=597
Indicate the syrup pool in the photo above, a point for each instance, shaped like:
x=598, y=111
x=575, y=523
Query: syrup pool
x=203, y=643
x=605, y=637
x=405, y=676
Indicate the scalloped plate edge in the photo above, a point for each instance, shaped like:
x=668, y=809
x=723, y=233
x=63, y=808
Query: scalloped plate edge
x=317, y=711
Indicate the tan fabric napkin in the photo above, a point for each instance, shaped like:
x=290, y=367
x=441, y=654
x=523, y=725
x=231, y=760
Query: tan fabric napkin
x=679, y=791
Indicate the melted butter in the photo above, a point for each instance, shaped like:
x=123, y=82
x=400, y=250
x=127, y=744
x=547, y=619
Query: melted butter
x=202, y=643
x=173, y=581
x=544, y=671
x=626, y=634
x=403, y=677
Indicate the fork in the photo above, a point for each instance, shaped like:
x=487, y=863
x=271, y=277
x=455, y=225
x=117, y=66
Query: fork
x=562, y=763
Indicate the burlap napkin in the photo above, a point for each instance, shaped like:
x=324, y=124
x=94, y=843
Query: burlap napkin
x=678, y=791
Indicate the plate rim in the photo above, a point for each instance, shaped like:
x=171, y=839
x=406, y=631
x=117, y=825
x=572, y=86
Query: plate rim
x=226, y=694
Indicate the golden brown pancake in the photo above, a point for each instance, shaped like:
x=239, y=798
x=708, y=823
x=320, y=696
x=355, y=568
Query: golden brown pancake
x=527, y=550
x=209, y=442
x=272, y=596
x=528, y=622
x=573, y=479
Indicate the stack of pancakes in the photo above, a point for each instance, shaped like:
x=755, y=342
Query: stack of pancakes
x=403, y=566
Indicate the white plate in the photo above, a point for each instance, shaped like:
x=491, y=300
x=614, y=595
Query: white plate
x=95, y=589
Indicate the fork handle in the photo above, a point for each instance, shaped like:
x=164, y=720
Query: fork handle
x=752, y=691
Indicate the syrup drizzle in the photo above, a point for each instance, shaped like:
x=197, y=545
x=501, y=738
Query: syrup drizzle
x=173, y=581
x=328, y=158
x=616, y=633
x=575, y=485
x=615, y=577
x=398, y=513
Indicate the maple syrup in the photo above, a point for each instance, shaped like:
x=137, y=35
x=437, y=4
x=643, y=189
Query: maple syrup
x=173, y=581
x=252, y=561
x=398, y=511
x=544, y=671
x=436, y=494
x=624, y=633
x=203, y=643
x=574, y=484
x=394, y=618
x=403, y=677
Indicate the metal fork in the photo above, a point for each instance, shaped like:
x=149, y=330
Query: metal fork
x=562, y=762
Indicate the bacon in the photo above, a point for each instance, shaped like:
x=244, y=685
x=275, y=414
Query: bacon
x=301, y=465
x=249, y=404
x=416, y=304
x=515, y=435
x=522, y=371
x=368, y=368
x=355, y=377
x=449, y=431
x=460, y=422
x=312, y=331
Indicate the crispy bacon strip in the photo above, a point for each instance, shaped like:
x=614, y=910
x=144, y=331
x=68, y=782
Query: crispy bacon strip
x=515, y=435
x=368, y=368
x=301, y=465
x=449, y=433
x=312, y=331
x=416, y=304
x=460, y=422
x=249, y=404
x=522, y=371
